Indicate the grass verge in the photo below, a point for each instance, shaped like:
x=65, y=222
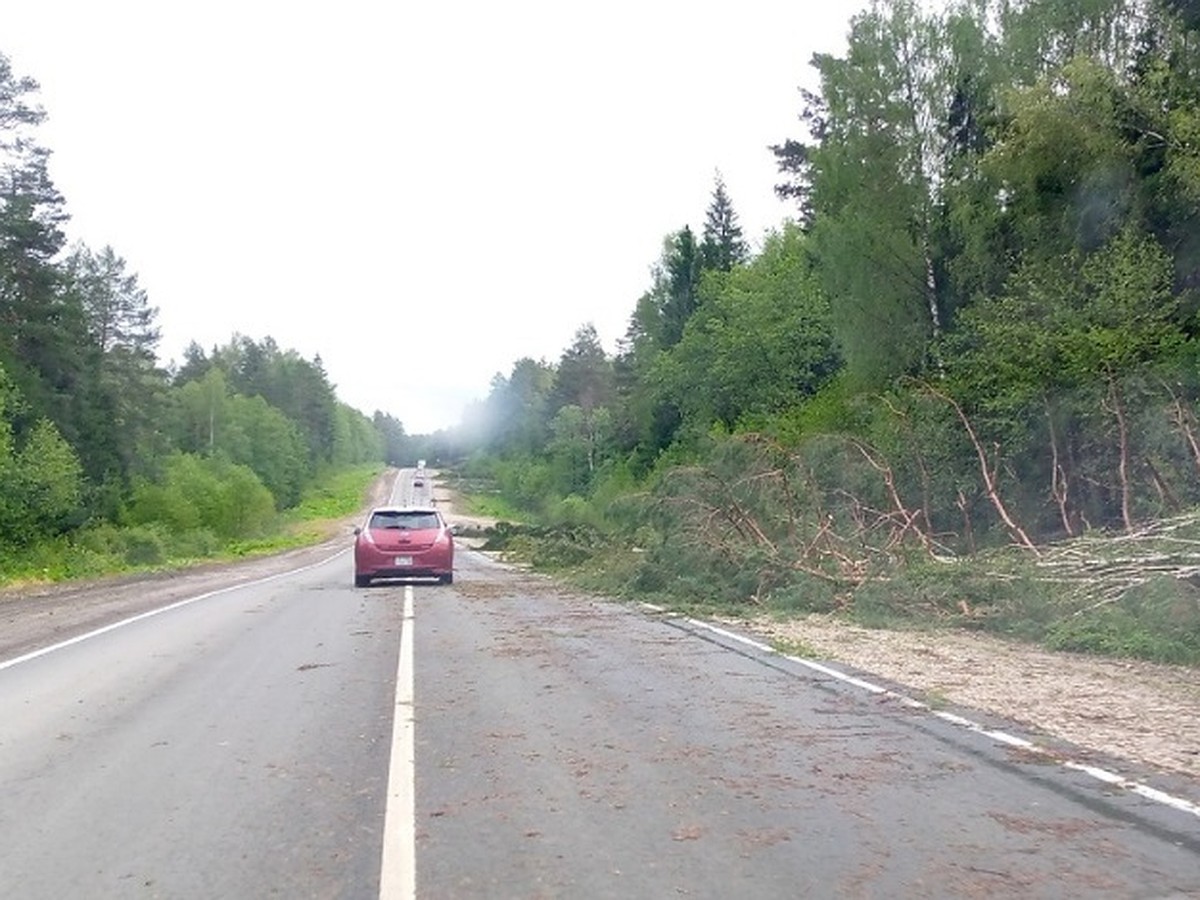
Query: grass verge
x=107, y=549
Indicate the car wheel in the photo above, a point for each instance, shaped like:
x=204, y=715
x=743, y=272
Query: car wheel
x=361, y=580
x=447, y=578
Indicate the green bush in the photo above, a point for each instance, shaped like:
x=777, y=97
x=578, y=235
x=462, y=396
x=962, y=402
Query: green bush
x=40, y=484
x=962, y=593
x=802, y=595
x=570, y=511
x=145, y=545
x=199, y=543
x=1158, y=620
x=102, y=539
x=204, y=493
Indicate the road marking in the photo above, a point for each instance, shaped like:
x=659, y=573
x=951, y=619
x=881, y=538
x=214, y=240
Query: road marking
x=1103, y=775
x=398, y=871
x=80, y=638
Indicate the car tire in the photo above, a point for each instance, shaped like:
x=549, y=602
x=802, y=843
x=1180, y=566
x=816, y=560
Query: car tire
x=361, y=580
x=447, y=579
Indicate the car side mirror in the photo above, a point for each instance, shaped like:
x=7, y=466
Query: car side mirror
x=357, y=530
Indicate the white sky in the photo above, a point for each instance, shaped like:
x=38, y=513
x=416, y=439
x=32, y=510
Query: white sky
x=420, y=193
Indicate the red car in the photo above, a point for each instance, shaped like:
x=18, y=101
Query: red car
x=403, y=542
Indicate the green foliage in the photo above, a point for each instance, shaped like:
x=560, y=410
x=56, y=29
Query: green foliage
x=579, y=437
x=394, y=440
x=1159, y=620
x=722, y=246
x=676, y=291
x=355, y=438
x=760, y=343
x=48, y=479
x=335, y=493
x=803, y=595
x=884, y=153
x=549, y=548
x=51, y=559
x=211, y=418
x=297, y=387
x=834, y=409
x=247, y=430
x=479, y=495
x=40, y=477
x=145, y=545
x=204, y=493
x=102, y=547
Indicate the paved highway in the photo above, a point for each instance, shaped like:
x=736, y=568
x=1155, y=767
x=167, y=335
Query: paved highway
x=251, y=742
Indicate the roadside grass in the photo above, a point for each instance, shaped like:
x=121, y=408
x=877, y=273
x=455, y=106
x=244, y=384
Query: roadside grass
x=936, y=699
x=493, y=507
x=107, y=549
x=479, y=497
x=338, y=493
x=793, y=647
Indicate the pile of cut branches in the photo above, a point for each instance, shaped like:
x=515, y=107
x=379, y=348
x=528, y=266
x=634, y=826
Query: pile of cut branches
x=1098, y=569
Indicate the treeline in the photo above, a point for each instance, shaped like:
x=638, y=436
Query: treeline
x=99, y=444
x=979, y=329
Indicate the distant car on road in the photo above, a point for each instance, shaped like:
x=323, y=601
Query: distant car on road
x=403, y=542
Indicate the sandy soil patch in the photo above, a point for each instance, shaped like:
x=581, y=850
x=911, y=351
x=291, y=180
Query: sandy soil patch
x=1139, y=711
x=448, y=502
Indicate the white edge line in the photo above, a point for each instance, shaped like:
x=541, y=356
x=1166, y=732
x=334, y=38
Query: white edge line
x=1103, y=775
x=80, y=638
x=398, y=867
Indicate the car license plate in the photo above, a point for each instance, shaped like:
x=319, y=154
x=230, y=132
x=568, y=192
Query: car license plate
x=404, y=560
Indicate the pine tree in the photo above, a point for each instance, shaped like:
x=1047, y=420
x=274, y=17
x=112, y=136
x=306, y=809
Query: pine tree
x=679, y=282
x=722, y=247
x=122, y=391
x=40, y=328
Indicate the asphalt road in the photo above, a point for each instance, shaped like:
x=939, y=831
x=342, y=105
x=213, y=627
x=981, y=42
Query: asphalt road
x=572, y=748
x=240, y=745
x=234, y=747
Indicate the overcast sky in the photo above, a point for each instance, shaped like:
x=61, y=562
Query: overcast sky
x=420, y=193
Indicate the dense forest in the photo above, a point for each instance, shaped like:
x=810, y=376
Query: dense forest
x=105, y=454
x=977, y=331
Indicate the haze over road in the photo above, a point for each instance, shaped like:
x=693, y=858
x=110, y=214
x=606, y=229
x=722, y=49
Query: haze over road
x=240, y=746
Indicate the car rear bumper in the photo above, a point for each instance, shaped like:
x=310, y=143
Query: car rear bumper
x=431, y=563
x=403, y=572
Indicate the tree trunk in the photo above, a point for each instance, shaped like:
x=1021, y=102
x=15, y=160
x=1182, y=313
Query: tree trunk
x=1183, y=419
x=1118, y=411
x=1059, y=484
x=989, y=476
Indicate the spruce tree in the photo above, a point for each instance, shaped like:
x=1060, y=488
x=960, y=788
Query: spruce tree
x=722, y=247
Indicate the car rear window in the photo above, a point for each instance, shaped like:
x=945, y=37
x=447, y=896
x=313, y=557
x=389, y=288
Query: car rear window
x=407, y=520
